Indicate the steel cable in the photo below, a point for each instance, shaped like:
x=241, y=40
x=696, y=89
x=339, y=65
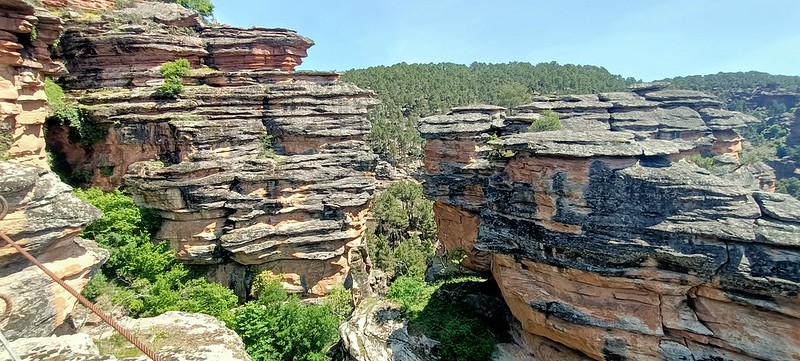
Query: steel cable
x=106, y=318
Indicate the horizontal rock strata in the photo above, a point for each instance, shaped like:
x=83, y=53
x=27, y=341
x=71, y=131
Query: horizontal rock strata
x=25, y=34
x=604, y=239
x=253, y=167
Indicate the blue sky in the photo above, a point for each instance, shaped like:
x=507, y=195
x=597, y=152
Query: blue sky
x=646, y=39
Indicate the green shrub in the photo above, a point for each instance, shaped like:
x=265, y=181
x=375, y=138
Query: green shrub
x=789, y=186
x=547, y=121
x=466, y=340
x=412, y=293
x=267, y=288
x=340, y=302
x=754, y=154
x=83, y=129
x=267, y=150
x=124, y=4
x=120, y=214
x=199, y=295
x=381, y=254
x=511, y=95
x=141, y=275
x=411, y=257
x=706, y=163
x=140, y=258
x=282, y=328
x=173, y=73
x=97, y=286
x=395, y=137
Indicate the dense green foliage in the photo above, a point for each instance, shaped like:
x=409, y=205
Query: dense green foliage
x=548, y=121
x=278, y=327
x=121, y=216
x=727, y=85
x=82, y=128
x=141, y=275
x=203, y=7
x=789, y=186
x=441, y=312
x=405, y=230
x=173, y=73
x=410, y=91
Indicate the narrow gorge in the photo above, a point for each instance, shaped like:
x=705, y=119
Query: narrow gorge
x=620, y=225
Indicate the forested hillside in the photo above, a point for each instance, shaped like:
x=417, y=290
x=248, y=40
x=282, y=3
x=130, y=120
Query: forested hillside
x=410, y=91
x=731, y=87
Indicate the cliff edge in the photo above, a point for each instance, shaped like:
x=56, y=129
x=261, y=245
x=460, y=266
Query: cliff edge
x=607, y=240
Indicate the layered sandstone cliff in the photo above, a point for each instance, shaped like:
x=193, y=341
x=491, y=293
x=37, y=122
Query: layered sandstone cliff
x=205, y=159
x=25, y=35
x=606, y=243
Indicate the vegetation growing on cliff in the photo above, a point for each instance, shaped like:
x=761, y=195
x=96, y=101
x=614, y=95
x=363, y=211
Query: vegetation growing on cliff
x=405, y=232
x=83, y=129
x=140, y=275
x=410, y=91
x=173, y=73
x=144, y=279
x=548, y=121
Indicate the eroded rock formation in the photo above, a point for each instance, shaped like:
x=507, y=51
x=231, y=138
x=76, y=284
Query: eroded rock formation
x=25, y=34
x=45, y=218
x=605, y=242
x=204, y=159
x=173, y=335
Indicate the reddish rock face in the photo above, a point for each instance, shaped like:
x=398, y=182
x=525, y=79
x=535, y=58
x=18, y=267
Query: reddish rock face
x=80, y=4
x=24, y=62
x=606, y=243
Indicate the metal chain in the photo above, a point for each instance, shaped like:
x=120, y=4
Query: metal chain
x=103, y=316
x=6, y=314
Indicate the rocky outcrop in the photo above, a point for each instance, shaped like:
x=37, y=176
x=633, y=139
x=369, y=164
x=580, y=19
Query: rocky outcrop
x=376, y=331
x=80, y=4
x=255, y=166
x=25, y=34
x=604, y=239
x=45, y=218
x=173, y=336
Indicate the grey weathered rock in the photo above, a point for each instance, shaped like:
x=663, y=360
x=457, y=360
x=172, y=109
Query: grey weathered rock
x=175, y=336
x=376, y=331
x=78, y=347
x=45, y=218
